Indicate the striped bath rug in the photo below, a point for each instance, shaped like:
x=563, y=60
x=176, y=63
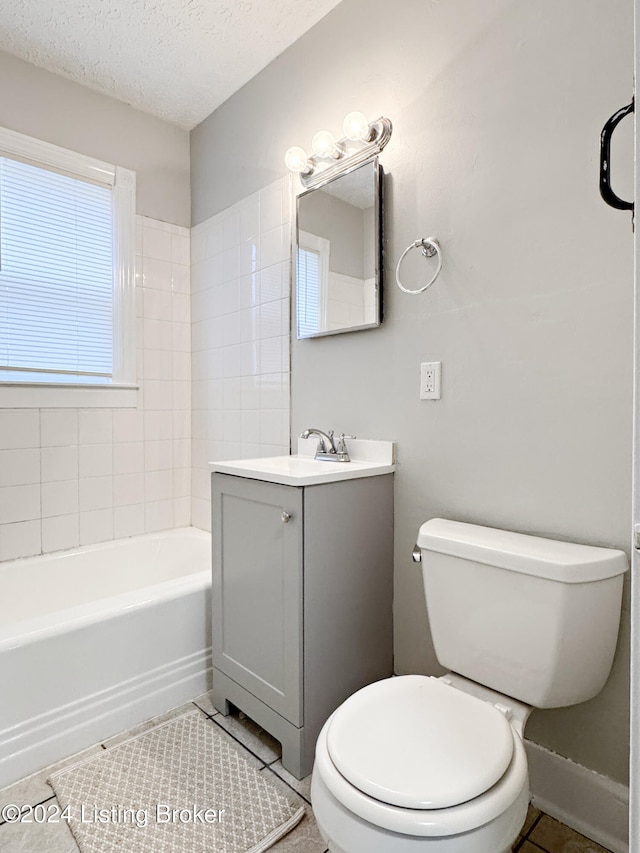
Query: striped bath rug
x=181, y=787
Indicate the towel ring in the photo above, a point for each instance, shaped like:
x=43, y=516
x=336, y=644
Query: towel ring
x=430, y=247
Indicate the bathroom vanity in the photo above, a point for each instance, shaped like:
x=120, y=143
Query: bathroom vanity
x=302, y=589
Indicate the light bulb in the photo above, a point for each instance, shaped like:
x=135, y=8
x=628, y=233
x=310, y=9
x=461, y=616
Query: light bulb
x=356, y=126
x=324, y=144
x=296, y=160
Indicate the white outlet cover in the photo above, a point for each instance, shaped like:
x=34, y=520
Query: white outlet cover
x=430, y=380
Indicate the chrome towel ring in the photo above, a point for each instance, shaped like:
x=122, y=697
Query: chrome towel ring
x=430, y=247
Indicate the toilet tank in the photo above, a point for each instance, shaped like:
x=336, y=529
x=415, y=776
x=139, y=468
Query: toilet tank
x=536, y=619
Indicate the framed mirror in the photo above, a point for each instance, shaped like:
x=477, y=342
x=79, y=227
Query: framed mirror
x=338, y=254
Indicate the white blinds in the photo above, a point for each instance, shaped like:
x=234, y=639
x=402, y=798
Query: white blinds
x=308, y=292
x=56, y=276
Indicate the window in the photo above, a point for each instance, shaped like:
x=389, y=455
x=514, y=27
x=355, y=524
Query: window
x=312, y=274
x=67, y=308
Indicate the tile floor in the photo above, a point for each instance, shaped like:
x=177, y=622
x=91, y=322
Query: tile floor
x=540, y=832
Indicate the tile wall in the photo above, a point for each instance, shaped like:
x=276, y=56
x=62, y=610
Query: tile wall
x=350, y=302
x=73, y=477
x=240, y=273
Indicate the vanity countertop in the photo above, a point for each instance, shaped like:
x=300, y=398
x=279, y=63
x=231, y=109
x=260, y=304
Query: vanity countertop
x=368, y=459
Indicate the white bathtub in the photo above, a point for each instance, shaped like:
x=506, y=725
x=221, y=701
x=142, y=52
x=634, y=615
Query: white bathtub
x=96, y=640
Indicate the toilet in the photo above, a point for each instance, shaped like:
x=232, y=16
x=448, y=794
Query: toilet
x=417, y=763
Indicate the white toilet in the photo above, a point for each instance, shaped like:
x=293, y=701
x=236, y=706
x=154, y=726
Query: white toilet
x=420, y=763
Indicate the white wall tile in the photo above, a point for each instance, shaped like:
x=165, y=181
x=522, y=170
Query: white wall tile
x=180, y=278
x=181, y=453
x=61, y=532
x=156, y=243
x=19, y=428
x=158, y=455
x=158, y=425
x=158, y=304
x=180, y=249
x=181, y=512
x=95, y=460
x=128, y=521
x=231, y=227
x=128, y=425
x=181, y=337
x=201, y=513
x=182, y=481
x=96, y=426
x=21, y=539
x=240, y=334
x=271, y=214
x=96, y=526
x=19, y=503
x=128, y=489
x=19, y=467
x=157, y=334
x=58, y=427
x=58, y=463
x=59, y=498
x=95, y=493
x=181, y=308
x=158, y=485
x=158, y=395
x=157, y=273
x=249, y=217
x=128, y=457
x=158, y=515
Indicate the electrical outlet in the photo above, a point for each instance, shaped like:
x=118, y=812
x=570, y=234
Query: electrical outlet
x=430, y=376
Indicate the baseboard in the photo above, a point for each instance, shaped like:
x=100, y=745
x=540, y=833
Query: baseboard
x=592, y=804
x=62, y=731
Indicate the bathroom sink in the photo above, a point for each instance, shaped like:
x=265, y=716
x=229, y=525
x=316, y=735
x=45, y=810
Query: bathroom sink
x=303, y=470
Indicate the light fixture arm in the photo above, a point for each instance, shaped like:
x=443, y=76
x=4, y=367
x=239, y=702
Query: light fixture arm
x=380, y=135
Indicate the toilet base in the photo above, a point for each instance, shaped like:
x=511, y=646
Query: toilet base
x=345, y=832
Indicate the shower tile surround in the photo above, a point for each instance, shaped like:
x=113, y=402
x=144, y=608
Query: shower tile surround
x=72, y=477
x=213, y=371
x=540, y=833
x=240, y=272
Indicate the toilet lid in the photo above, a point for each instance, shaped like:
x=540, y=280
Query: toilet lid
x=416, y=742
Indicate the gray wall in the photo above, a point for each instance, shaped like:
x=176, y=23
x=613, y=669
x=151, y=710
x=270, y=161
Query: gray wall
x=52, y=108
x=497, y=109
x=340, y=223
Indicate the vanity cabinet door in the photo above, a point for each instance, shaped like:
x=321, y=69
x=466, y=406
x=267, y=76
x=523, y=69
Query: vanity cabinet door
x=257, y=589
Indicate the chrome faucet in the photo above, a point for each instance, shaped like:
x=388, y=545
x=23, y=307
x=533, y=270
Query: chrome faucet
x=326, y=450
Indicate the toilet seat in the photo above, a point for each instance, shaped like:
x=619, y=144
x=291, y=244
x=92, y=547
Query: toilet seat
x=418, y=743
x=442, y=821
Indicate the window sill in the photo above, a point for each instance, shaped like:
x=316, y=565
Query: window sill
x=31, y=395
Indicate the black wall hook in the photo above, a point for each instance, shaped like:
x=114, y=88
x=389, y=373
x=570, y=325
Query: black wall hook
x=605, y=154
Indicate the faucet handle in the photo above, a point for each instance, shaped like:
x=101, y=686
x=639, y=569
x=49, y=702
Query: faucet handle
x=342, y=447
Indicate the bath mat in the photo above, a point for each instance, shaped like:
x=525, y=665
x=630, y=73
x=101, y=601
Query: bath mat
x=180, y=787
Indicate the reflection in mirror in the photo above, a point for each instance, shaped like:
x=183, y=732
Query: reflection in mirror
x=338, y=269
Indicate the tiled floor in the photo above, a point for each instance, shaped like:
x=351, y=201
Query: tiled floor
x=540, y=832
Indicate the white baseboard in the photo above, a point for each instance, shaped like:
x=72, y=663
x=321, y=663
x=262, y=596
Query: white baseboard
x=592, y=804
x=64, y=730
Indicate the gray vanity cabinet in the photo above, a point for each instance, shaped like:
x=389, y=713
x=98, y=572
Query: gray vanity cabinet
x=258, y=589
x=302, y=601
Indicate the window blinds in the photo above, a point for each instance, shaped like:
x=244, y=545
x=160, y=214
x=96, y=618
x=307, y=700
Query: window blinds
x=56, y=276
x=308, y=292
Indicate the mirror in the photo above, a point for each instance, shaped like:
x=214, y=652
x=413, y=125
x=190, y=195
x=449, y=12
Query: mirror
x=338, y=250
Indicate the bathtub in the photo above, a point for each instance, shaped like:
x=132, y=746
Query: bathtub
x=98, y=639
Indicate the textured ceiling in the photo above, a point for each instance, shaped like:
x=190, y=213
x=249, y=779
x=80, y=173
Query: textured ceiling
x=177, y=59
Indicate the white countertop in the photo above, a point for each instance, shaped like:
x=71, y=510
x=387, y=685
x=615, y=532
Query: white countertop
x=303, y=470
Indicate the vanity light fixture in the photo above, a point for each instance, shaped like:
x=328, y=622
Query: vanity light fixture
x=355, y=126
x=296, y=161
x=362, y=141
